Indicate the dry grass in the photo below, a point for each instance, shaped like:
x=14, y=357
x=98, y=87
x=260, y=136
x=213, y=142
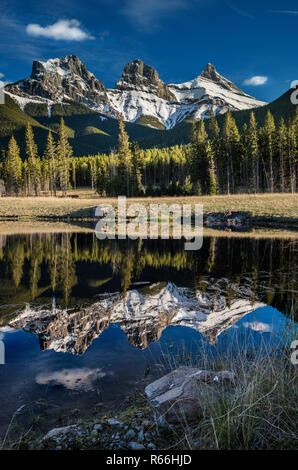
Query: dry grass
x=262, y=411
x=269, y=208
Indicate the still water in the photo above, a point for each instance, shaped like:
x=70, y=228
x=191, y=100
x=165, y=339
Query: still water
x=85, y=323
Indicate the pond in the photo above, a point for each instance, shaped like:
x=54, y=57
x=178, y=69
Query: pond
x=85, y=323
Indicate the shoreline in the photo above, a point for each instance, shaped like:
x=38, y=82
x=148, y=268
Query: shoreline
x=27, y=227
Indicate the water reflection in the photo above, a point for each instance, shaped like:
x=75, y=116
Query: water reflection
x=104, y=313
x=76, y=267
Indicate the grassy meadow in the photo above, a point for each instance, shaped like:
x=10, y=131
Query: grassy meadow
x=270, y=210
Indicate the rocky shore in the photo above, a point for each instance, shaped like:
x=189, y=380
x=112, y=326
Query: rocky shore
x=185, y=394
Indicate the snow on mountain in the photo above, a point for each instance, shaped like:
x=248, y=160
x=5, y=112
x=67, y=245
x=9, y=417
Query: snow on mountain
x=142, y=317
x=59, y=80
x=139, y=92
x=211, y=91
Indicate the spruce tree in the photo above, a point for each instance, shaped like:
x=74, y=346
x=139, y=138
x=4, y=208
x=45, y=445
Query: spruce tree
x=212, y=186
x=33, y=160
x=137, y=188
x=64, y=153
x=253, y=150
x=282, y=144
x=269, y=148
x=13, y=167
x=124, y=161
x=50, y=157
x=230, y=139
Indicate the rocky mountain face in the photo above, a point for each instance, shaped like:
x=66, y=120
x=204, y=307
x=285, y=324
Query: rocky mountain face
x=139, y=92
x=142, y=317
x=138, y=76
x=58, y=80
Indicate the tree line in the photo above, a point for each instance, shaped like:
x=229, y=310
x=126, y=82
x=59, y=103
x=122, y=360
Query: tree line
x=216, y=161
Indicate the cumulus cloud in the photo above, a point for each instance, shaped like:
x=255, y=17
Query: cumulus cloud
x=63, y=30
x=256, y=81
x=1, y=75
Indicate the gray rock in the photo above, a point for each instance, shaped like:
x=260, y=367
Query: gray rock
x=129, y=435
x=114, y=422
x=146, y=423
x=58, y=433
x=187, y=392
x=97, y=427
x=135, y=446
x=151, y=446
x=141, y=435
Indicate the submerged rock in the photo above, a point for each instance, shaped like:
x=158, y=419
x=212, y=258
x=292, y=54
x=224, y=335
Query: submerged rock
x=188, y=393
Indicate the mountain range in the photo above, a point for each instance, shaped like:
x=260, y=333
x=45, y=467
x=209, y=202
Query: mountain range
x=139, y=93
x=156, y=114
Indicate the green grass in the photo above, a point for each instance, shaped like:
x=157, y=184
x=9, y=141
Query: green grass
x=150, y=121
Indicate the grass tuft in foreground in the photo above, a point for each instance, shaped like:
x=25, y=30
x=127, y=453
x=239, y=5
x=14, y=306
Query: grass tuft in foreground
x=262, y=411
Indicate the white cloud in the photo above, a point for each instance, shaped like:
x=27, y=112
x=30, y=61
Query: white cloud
x=256, y=81
x=147, y=13
x=1, y=75
x=286, y=12
x=66, y=30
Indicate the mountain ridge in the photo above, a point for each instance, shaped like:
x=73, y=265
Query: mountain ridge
x=138, y=93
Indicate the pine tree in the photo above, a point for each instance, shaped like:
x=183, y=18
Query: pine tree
x=230, y=139
x=213, y=129
x=13, y=167
x=212, y=186
x=253, y=150
x=124, y=161
x=64, y=153
x=198, y=168
x=293, y=149
x=282, y=144
x=269, y=140
x=33, y=160
x=137, y=188
x=51, y=159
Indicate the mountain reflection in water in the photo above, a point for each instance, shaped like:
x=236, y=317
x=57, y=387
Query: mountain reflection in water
x=104, y=313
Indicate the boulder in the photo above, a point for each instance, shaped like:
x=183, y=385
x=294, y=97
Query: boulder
x=188, y=393
x=60, y=433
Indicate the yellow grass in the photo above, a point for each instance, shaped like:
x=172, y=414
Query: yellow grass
x=274, y=207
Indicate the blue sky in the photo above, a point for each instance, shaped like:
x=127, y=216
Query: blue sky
x=253, y=43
